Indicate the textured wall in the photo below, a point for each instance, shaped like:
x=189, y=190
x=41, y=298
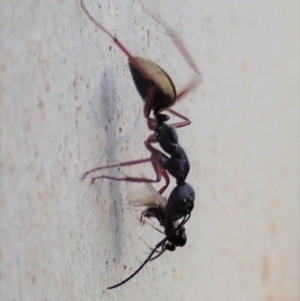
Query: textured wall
x=68, y=104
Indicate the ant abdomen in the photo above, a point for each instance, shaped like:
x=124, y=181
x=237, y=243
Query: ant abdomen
x=164, y=92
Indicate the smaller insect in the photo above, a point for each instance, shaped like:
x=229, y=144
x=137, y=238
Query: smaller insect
x=157, y=207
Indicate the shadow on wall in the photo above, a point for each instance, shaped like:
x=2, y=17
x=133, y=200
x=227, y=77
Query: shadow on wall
x=108, y=121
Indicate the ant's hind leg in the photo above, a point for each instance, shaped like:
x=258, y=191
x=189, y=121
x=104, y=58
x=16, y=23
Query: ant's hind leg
x=130, y=57
x=184, y=52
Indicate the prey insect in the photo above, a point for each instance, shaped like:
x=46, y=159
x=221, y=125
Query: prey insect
x=174, y=231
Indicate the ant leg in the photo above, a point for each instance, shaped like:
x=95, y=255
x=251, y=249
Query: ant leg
x=128, y=163
x=179, y=124
x=189, y=87
x=166, y=177
x=151, y=139
x=156, y=168
x=154, y=159
x=184, y=52
x=155, y=155
x=176, y=40
x=116, y=41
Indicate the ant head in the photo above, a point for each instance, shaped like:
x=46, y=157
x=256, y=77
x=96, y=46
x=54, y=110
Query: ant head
x=180, y=202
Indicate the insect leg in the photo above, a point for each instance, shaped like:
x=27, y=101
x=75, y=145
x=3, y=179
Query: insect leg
x=154, y=159
x=184, y=52
x=116, y=41
x=128, y=163
x=156, y=168
x=166, y=177
x=176, y=40
x=182, y=123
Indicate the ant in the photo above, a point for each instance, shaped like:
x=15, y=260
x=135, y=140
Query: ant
x=159, y=94
x=175, y=232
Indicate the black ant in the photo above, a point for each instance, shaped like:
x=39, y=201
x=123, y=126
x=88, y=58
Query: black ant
x=159, y=94
x=175, y=232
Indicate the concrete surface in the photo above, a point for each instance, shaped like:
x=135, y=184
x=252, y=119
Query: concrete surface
x=68, y=104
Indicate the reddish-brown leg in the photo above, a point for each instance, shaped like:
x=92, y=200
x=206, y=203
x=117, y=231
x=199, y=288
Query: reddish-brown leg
x=184, y=52
x=116, y=41
x=179, y=124
x=128, y=163
x=176, y=40
x=166, y=177
x=154, y=159
x=188, y=88
x=156, y=168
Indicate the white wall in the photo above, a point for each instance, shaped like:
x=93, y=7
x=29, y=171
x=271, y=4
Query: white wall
x=68, y=104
